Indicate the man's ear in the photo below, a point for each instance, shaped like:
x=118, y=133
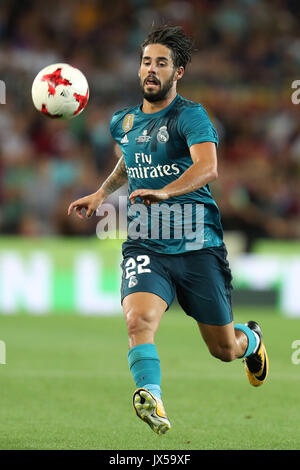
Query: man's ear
x=179, y=73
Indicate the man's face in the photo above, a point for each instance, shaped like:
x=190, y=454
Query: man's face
x=156, y=72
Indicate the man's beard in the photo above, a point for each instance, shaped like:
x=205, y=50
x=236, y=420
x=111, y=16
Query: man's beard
x=162, y=92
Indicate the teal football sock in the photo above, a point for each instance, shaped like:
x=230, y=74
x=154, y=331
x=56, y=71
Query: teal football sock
x=145, y=367
x=253, y=339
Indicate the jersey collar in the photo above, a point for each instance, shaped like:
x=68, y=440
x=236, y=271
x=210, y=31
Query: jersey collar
x=158, y=113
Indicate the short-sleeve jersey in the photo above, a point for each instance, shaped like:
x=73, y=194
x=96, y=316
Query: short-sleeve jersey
x=156, y=151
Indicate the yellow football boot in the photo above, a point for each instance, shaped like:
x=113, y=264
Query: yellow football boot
x=151, y=410
x=257, y=364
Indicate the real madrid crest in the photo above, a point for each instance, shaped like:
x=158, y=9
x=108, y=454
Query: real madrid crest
x=163, y=135
x=132, y=281
x=128, y=122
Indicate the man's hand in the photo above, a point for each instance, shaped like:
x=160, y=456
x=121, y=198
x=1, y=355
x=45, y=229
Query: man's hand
x=149, y=196
x=89, y=203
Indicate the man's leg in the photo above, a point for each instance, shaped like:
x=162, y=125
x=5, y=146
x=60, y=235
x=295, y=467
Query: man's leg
x=234, y=341
x=227, y=342
x=204, y=292
x=143, y=312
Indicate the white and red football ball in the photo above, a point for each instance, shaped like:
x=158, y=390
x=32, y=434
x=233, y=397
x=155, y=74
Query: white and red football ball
x=60, y=91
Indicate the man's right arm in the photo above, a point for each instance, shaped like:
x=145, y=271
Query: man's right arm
x=115, y=180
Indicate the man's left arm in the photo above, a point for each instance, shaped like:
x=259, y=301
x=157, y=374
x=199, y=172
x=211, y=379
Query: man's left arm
x=201, y=172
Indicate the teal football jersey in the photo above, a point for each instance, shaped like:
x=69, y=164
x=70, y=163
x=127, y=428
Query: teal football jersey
x=156, y=152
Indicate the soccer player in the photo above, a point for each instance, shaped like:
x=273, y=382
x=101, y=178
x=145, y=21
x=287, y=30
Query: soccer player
x=167, y=147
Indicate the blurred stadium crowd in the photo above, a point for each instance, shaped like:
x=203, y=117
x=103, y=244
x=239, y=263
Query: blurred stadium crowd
x=247, y=56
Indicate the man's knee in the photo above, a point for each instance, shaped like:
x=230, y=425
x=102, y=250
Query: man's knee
x=139, y=320
x=223, y=351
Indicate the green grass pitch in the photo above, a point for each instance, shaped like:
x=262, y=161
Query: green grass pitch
x=66, y=385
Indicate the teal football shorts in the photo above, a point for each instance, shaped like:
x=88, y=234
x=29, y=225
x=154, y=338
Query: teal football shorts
x=201, y=280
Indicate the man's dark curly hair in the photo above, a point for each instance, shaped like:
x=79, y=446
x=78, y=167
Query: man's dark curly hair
x=175, y=39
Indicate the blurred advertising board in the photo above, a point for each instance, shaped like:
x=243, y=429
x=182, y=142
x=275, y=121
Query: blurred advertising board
x=83, y=275
x=60, y=275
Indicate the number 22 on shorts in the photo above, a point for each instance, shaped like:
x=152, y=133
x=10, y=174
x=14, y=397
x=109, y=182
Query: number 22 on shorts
x=138, y=266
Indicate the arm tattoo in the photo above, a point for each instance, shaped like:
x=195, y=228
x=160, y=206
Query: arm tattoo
x=116, y=179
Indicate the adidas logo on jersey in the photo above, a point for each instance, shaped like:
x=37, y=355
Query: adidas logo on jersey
x=125, y=139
